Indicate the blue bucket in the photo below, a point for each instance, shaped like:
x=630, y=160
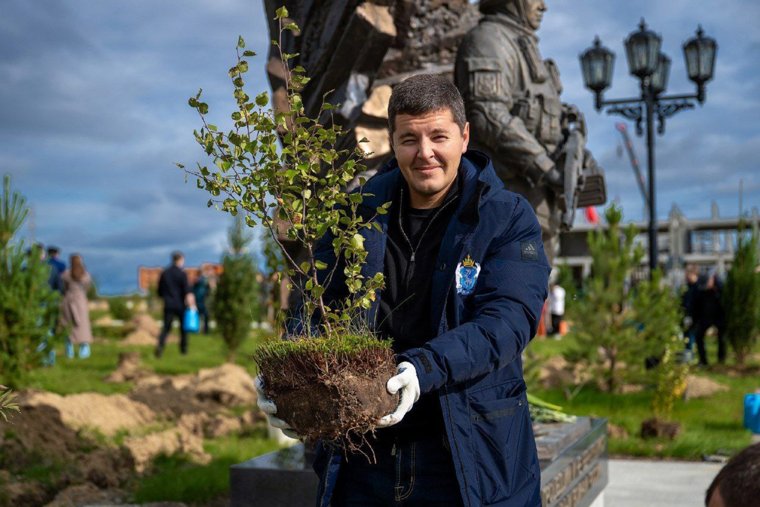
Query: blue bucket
x=191, y=321
x=752, y=412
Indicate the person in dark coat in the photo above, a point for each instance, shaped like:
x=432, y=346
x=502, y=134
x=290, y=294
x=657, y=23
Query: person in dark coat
x=708, y=312
x=201, y=290
x=57, y=267
x=466, y=278
x=173, y=288
x=688, y=300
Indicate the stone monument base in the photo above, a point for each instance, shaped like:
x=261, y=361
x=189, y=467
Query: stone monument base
x=573, y=459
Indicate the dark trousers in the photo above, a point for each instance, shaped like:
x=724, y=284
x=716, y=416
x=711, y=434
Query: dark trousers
x=416, y=473
x=203, y=315
x=556, y=321
x=699, y=337
x=169, y=315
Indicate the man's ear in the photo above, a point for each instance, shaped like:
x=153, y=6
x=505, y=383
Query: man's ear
x=465, y=136
x=390, y=141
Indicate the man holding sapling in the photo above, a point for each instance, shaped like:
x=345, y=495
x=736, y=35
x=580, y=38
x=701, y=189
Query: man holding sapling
x=466, y=278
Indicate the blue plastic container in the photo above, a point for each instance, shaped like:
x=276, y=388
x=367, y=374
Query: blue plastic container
x=191, y=321
x=752, y=412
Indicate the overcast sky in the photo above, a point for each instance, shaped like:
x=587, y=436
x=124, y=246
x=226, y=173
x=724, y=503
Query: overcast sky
x=93, y=115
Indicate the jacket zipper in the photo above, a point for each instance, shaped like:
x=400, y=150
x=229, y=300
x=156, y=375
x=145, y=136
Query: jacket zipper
x=413, y=249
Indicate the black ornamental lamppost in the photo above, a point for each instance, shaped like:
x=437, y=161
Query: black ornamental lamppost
x=651, y=67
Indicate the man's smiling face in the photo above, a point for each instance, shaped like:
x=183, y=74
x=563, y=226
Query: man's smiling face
x=429, y=148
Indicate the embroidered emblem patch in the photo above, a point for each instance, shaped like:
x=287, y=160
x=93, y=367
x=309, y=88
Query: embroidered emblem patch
x=466, y=276
x=528, y=251
x=486, y=84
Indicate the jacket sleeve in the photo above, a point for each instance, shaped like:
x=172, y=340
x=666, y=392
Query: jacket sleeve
x=505, y=309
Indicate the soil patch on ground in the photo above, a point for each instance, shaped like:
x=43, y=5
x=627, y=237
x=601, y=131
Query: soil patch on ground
x=85, y=449
x=702, y=387
x=106, y=414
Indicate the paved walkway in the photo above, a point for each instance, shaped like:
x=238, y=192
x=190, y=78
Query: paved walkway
x=637, y=483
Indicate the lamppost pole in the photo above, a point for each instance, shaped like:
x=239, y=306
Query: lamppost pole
x=653, y=250
x=652, y=68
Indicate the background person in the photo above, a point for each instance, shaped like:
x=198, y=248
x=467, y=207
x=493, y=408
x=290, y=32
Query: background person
x=74, y=310
x=708, y=312
x=57, y=267
x=688, y=299
x=201, y=290
x=173, y=288
x=556, y=307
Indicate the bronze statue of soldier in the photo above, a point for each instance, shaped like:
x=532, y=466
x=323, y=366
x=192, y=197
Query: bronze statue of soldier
x=512, y=97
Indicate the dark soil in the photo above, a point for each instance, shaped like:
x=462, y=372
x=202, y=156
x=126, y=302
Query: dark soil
x=654, y=428
x=335, y=405
x=39, y=445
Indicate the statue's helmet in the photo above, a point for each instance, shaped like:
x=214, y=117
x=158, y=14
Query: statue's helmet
x=515, y=9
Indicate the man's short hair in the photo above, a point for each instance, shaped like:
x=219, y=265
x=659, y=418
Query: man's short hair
x=425, y=93
x=176, y=256
x=739, y=480
x=53, y=250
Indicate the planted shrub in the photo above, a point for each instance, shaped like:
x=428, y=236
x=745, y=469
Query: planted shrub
x=28, y=307
x=741, y=298
x=236, y=297
x=283, y=170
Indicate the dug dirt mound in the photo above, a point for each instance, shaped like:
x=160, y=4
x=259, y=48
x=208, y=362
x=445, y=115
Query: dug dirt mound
x=208, y=390
x=128, y=368
x=106, y=414
x=87, y=494
x=142, y=330
x=229, y=384
x=702, y=387
x=144, y=322
x=139, y=337
x=38, y=438
x=173, y=441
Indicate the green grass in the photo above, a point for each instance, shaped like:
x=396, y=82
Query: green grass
x=177, y=479
x=76, y=375
x=708, y=425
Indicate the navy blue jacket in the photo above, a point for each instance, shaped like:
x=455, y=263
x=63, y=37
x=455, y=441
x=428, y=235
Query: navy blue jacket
x=474, y=363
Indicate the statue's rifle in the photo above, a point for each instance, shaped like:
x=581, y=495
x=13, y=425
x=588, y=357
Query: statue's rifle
x=583, y=180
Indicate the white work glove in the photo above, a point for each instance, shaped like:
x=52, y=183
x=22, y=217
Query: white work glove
x=268, y=406
x=407, y=382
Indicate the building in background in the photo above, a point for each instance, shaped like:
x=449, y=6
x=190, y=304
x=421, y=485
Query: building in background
x=708, y=243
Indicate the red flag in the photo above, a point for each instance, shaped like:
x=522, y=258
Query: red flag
x=592, y=216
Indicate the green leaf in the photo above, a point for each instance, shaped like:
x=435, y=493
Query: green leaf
x=281, y=13
x=262, y=99
x=241, y=42
x=320, y=265
x=248, y=52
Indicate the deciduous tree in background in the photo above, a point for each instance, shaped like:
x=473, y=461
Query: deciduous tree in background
x=236, y=299
x=741, y=298
x=28, y=307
